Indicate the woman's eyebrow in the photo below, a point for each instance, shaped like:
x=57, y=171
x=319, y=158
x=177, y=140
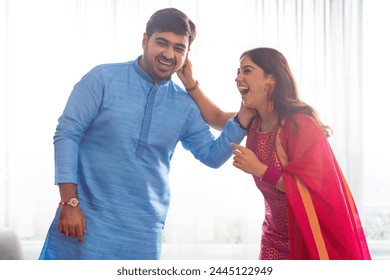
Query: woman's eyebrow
x=245, y=67
x=248, y=66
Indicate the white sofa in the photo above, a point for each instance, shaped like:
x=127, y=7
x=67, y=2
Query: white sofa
x=10, y=246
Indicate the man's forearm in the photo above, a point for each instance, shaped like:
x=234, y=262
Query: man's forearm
x=67, y=191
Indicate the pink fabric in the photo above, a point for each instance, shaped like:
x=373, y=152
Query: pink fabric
x=274, y=239
x=316, y=217
x=271, y=175
x=323, y=219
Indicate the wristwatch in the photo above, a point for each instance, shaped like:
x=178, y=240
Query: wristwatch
x=72, y=202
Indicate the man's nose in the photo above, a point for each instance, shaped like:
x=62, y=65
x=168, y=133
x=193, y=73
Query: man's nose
x=169, y=53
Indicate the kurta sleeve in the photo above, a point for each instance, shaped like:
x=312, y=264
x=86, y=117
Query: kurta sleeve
x=203, y=145
x=81, y=109
x=323, y=219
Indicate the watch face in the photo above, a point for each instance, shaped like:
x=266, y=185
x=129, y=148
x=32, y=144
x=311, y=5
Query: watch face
x=73, y=202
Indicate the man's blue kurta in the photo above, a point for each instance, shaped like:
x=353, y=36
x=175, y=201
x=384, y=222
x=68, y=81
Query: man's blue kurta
x=115, y=140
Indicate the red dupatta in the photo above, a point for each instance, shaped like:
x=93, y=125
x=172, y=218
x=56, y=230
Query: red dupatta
x=323, y=219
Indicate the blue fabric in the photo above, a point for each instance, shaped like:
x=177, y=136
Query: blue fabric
x=115, y=139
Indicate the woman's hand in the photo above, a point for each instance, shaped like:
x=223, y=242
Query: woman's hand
x=247, y=161
x=185, y=74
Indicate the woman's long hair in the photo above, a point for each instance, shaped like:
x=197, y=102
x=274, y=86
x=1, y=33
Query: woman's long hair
x=285, y=95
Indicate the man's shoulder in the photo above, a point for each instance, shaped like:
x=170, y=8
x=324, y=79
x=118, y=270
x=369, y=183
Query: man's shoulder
x=111, y=70
x=114, y=65
x=177, y=89
x=181, y=93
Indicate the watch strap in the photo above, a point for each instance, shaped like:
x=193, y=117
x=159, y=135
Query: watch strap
x=72, y=202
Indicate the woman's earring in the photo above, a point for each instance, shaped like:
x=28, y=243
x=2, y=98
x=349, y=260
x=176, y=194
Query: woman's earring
x=270, y=99
x=270, y=104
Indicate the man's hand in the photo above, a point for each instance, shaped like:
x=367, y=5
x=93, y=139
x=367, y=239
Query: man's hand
x=72, y=222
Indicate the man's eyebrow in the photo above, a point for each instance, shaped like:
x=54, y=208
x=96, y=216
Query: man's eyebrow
x=161, y=39
x=166, y=41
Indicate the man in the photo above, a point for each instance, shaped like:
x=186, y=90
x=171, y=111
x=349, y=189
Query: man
x=114, y=143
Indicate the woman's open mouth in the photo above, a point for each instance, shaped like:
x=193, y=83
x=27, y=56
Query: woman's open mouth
x=243, y=90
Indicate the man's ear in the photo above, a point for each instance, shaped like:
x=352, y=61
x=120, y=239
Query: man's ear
x=188, y=52
x=145, y=40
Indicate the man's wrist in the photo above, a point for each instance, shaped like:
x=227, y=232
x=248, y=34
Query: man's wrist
x=74, y=202
x=237, y=120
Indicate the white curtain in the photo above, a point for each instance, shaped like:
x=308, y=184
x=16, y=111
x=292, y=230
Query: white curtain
x=47, y=45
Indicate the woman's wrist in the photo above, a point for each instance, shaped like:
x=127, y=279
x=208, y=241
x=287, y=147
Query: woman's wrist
x=193, y=86
x=271, y=175
x=188, y=82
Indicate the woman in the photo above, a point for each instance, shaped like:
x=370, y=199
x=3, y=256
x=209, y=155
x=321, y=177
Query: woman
x=309, y=210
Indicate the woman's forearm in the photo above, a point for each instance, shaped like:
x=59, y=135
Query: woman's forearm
x=212, y=114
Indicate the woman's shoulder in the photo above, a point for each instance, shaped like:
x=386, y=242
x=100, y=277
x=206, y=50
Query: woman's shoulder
x=303, y=119
x=299, y=134
x=302, y=125
x=298, y=122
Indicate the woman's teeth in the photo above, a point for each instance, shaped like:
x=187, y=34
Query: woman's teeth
x=243, y=89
